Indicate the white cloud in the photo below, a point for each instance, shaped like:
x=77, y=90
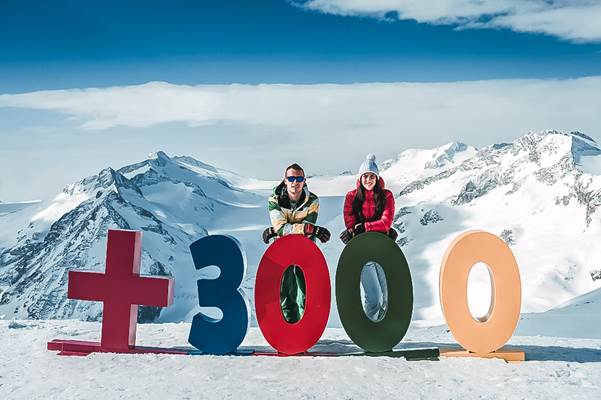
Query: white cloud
x=573, y=20
x=331, y=108
x=258, y=129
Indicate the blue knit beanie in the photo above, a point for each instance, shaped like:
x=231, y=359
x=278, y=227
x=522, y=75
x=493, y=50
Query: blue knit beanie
x=369, y=165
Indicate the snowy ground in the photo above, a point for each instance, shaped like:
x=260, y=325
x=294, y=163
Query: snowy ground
x=556, y=368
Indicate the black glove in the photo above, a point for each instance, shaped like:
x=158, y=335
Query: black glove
x=322, y=234
x=346, y=235
x=269, y=233
x=359, y=228
x=318, y=231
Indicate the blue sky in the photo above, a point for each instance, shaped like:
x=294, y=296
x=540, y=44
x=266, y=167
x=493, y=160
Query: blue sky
x=198, y=77
x=70, y=43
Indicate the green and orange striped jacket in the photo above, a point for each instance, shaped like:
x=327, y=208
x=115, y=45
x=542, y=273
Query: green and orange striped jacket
x=287, y=220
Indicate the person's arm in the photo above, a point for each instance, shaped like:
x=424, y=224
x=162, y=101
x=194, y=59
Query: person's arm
x=277, y=217
x=385, y=222
x=310, y=228
x=313, y=211
x=349, y=217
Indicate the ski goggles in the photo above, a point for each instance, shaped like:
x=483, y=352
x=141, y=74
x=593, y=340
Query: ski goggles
x=298, y=179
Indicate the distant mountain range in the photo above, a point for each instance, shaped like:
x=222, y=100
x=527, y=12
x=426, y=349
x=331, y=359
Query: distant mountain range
x=540, y=193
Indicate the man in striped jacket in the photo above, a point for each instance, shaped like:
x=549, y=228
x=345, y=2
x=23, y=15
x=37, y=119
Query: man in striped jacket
x=293, y=209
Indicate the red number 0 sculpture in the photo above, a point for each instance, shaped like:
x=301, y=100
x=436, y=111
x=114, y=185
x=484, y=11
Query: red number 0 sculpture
x=298, y=337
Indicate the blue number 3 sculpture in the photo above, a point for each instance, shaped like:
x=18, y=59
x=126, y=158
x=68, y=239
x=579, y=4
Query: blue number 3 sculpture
x=225, y=335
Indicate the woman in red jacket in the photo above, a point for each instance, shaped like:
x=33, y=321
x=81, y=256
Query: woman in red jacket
x=370, y=207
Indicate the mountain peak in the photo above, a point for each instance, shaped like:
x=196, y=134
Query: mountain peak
x=445, y=154
x=574, y=144
x=581, y=144
x=194, y=162
x=582, y=136
x=574, y=135
x=107, y=175
x=107, y=178
x=158, y=155
x=453, y=146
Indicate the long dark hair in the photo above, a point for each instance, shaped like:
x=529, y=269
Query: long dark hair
x=379, y=199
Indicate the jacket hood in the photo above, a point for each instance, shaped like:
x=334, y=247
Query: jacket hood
x=280, y=191
x=277, y=190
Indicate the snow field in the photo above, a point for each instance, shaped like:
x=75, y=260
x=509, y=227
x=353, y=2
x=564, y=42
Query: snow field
x=557, y=368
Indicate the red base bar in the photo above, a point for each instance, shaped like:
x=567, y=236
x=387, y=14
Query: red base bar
x=84, y=348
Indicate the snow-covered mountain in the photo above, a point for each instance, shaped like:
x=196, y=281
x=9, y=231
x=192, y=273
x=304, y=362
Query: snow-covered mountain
x=540, y=193
x=533, y=192
x=173, y=201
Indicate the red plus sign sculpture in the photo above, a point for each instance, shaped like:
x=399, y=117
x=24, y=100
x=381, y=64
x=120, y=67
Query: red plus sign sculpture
x=121, y=289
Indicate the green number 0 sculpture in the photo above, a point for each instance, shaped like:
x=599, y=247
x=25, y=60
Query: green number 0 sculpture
x=373, y=336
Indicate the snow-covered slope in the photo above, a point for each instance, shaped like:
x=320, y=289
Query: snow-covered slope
x=577, y=318
x=7, y=208
x=539, y=193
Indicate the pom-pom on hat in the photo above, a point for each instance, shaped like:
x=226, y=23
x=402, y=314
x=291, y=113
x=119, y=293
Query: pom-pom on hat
x=369, y=165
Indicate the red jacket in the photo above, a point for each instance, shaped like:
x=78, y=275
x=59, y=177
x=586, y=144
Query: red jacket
x=369, y=209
